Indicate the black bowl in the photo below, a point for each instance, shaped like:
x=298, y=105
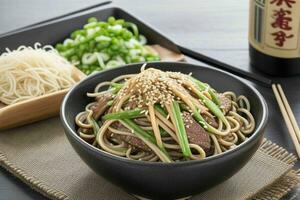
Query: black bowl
x=160, y=180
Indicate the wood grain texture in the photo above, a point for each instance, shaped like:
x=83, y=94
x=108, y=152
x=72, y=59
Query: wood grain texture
x=165, y=54
x=35, y=109
x=216, y=28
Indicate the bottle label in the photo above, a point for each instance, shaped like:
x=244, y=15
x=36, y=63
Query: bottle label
x=274, y=27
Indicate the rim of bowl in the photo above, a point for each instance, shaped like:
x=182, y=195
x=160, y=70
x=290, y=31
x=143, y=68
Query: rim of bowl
x=254, y=135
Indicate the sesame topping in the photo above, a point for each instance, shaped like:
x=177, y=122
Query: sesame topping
x=153, y=86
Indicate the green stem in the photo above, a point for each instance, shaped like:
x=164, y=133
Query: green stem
x=94, y=124
x=198, y=117
x=212, y=107
x=116, y=87
x=128, y=114
x=109, y=103
x=203, y=86
x=138, y=130
x=163, y=133
x=160, y=109
x=179, y=125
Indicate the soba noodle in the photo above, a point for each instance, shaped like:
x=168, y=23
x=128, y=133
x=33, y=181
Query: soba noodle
x=30, y=72
x=164, y=116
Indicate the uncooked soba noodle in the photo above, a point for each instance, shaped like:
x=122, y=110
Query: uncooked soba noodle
x=30, y=72
x=164, y=117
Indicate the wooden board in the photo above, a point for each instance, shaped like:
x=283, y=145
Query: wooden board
x=166, y=54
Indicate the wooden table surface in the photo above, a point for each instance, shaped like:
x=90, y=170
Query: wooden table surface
x=217, y=28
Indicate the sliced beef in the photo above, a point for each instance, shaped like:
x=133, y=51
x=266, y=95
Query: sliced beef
x=210, y=120
x=195, y=133
x=134, y=141
x=225, y=103
x=101, y=105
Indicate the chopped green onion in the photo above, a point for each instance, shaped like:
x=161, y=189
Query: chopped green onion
x=212, y=107
x=133, y=27
x=179, y=125
x=207, y=102
x=184, y=107
x=215, y=97
x=110, y=103
x=92, y=19
x=101, y=45
x=160, y=110
x=163, y=133
x=204, y=86
x=138, y=130
x=201, y=120
x=94, y=124
x=128, y=114
x=117, y=87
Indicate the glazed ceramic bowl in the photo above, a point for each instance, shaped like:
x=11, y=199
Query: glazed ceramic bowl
x=159, y=180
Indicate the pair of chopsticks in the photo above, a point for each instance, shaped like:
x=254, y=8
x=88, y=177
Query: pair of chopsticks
x=288, y=116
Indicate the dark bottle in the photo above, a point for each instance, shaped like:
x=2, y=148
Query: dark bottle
x=274, y=36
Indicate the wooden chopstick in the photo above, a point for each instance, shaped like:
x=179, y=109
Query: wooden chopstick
x=287, y=113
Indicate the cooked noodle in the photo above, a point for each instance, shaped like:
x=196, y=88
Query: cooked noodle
x=30, y=72
x=151, y=116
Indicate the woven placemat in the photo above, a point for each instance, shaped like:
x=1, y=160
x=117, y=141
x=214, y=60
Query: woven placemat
x=40, y=155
